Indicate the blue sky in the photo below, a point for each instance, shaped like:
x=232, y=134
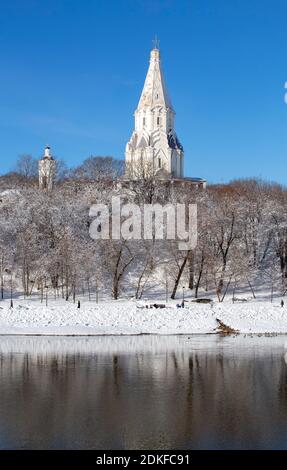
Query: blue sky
x=72, y=71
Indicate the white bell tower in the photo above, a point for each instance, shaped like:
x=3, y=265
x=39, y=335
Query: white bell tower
x=154, y=143
x=47, y=170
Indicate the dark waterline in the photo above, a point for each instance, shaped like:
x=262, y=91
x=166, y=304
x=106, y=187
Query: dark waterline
x=143, y=393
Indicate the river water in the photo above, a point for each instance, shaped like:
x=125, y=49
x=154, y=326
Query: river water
x=143, y=392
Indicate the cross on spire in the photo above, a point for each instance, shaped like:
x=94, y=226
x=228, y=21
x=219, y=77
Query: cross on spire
x=156, y=42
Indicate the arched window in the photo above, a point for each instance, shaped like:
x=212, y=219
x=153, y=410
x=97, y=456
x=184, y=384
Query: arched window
x=144, y=121
x=158, y=121
x=159, y=162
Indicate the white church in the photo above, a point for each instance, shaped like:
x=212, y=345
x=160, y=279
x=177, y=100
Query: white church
x=154, y=142
x=154, y=149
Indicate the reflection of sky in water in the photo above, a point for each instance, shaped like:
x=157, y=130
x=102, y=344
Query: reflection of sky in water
x=143, y=392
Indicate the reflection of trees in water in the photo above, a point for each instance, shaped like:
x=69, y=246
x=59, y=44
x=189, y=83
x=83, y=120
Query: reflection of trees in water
x=235, y=400
x=172, y=400
x=282, y=388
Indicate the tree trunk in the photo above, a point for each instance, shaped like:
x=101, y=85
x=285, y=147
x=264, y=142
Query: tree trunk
x=191, y=271
x=180, y=271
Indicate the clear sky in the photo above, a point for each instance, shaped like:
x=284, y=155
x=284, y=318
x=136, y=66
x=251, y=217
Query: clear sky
x=71, y=72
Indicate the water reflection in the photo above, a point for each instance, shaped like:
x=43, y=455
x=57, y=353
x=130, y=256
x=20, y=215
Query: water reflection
x=143, y=392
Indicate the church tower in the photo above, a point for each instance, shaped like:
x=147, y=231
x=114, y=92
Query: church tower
x=154, y=147
x=47, y=170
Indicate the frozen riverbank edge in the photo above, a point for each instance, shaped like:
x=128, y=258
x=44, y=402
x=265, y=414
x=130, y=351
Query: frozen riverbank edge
x=130, y=318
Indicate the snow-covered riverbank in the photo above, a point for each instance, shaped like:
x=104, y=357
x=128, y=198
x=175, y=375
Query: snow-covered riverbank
x=126, y=318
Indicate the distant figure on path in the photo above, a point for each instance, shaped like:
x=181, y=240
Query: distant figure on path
x=282, y=303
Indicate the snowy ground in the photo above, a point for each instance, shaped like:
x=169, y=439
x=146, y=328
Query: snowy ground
x=126, y=318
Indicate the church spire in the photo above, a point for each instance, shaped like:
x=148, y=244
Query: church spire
x=154, y=92
x=154, y=143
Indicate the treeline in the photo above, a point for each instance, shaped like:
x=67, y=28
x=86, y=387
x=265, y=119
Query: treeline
x=25, y=173
x=45, y=242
